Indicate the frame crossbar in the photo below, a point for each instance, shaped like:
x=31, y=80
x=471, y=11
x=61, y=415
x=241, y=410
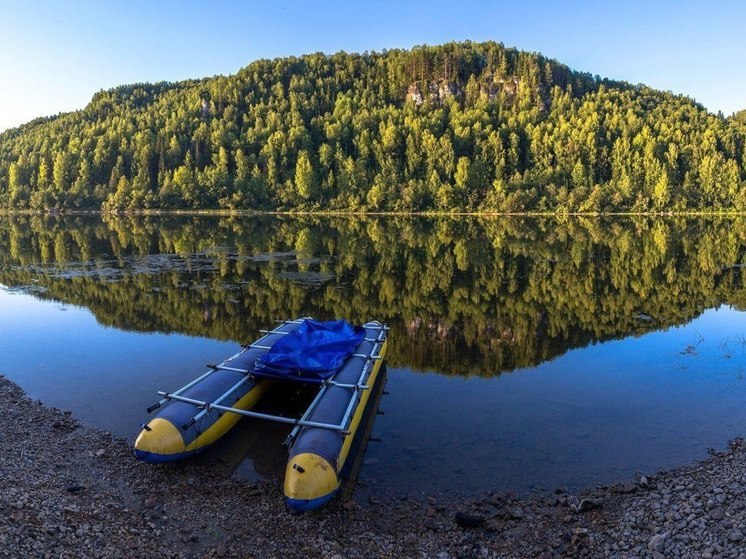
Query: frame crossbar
x=208, y=406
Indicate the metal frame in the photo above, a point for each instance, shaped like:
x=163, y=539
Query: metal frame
x=200, y=378
x=366, y=325
x=283, y=333
x=278, y=418
x=303, y=421
x=205, y=405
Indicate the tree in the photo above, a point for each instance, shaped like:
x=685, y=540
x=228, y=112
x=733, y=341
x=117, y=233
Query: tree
x=18, y=190
x=62, y=172
x=305, y=181
x=184, y=185
x=579, y=177
x=82, y=189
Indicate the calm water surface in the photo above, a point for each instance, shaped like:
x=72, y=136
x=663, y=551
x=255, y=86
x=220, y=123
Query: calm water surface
x=525, y=354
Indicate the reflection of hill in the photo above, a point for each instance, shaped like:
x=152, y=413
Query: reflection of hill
x=465, y=295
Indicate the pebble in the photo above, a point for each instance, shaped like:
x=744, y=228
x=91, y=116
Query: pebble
x=579, y=537
x=717, y=514
x=467, y=520
x=589, y=504
x=517, y=513
x=657, y=541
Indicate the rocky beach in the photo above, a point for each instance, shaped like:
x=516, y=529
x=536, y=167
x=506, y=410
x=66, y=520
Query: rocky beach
x=68, y=490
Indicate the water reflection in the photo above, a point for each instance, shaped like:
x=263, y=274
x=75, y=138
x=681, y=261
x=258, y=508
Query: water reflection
x=464, y=296
x=624, y=336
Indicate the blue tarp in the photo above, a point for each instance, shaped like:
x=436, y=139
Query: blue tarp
x=313, y=352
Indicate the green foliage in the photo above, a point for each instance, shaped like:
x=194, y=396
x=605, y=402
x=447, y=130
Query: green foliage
x=305, y=183
x=462, y=126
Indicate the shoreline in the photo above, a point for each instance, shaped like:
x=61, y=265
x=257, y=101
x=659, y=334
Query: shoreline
x=731, y=213
x=70, y=490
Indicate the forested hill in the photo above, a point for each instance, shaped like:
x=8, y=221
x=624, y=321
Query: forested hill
x=462, y=126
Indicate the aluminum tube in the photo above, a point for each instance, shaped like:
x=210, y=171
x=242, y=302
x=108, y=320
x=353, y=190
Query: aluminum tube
x=257, y=415
x=309, y=410
x=232, y=389
x=233, y=369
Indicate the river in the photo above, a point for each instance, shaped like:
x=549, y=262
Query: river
x=526, y=353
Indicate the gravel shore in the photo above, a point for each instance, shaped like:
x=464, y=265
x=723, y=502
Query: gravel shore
x=67, y=490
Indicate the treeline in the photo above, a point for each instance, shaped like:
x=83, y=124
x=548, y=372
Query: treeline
x=462, y=126
x=462, y=296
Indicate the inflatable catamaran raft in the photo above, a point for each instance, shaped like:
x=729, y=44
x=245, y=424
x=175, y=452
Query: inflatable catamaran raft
x=344, y=361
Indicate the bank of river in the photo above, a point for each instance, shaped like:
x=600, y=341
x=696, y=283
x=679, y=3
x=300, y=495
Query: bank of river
x=69, y=490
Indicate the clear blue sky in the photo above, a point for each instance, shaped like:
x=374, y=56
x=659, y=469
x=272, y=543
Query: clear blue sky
x=54, y=55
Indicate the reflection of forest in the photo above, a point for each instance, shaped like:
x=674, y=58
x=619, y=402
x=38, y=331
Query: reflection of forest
x=462, y=295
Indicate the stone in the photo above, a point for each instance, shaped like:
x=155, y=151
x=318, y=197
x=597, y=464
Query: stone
x=716, y=514
x=736, y=536
x=656, y=542
x=579, y=537
x=590, y=504
x=467, y=520
x=517, y=513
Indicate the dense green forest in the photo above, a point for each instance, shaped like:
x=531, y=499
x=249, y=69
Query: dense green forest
x=462, y=126
x=462, y=295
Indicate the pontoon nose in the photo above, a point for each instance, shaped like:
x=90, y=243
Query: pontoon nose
x=159, y=441
x=310, y=481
